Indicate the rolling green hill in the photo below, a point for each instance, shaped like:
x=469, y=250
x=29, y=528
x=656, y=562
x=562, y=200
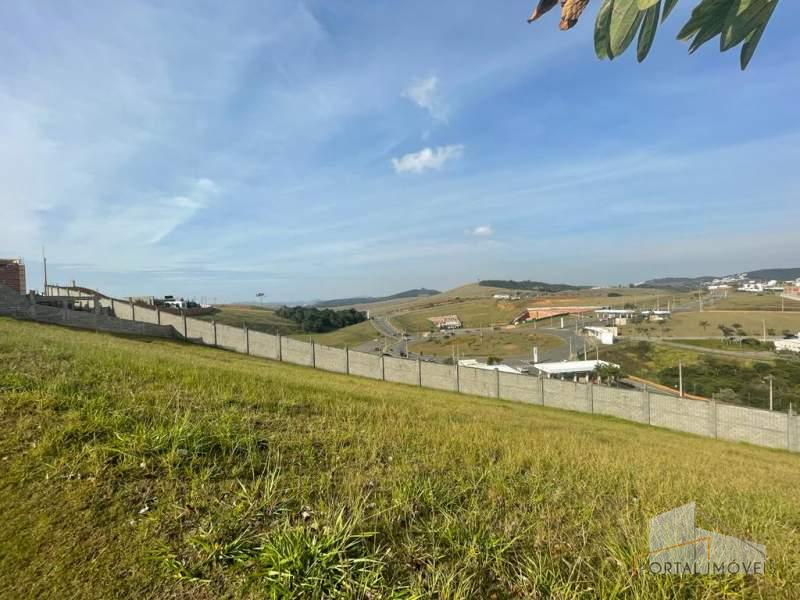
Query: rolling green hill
x=158, y=469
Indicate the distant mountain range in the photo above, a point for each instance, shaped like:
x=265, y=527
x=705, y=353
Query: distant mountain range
x=692, y=283
x=415, y=293
x=533, y=286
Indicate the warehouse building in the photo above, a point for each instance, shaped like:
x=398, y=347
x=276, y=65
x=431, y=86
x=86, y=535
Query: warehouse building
x=12, y=274
x=446, y=322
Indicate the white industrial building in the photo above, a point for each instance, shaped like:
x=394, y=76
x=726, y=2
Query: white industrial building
x=606, y=335
x=474, y=364
x=572, y=368
x=446, y=322
x=792, y=345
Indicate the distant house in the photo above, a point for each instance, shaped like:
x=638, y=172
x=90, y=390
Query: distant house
x=446, y=322
x=502, y=296
x=792, y=345
x=606, y=335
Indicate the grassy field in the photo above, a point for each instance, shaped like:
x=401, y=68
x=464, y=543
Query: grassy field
x=710, y=375
x=351, y=336
x=473, y=313
x=748, y=301
x=154, y=469
x=502, y=344
x=690, y=324
x=258, y=319
x=751, y=345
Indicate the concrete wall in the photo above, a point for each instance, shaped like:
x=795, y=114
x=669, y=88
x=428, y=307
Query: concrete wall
x=330, y=359
x=567, y=395
x=401, y=370
x=760, y=427
x=297, y=352
x=521, y=388
x=439, y=377
x=146, y=315
x=231, y=338
x=478, y=382
x=197, y=330
x=711, y=419
x=263, y=345
x=624, y=404
x=681, y=414
x=365, y=365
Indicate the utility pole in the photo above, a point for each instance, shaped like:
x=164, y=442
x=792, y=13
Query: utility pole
x=44, y=261
x=770, y=378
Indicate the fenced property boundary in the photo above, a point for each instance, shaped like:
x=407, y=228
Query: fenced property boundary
x=706, y=418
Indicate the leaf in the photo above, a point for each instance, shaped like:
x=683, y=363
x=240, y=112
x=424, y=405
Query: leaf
x=602, y=39
x=668, y=6
x=745, y=17
x=750, y=46
x=705, y=22
x=625, y=19
x=648, y=31
x=645, y=4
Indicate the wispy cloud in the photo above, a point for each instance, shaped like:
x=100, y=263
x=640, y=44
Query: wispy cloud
x=426, y=94
x=427, y=159
x=483, y=231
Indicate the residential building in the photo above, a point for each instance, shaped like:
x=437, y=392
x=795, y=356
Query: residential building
x=12, y=274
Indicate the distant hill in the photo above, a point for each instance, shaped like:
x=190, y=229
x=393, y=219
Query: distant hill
x=535, y=286
x=692, y=283
x=678, y=283
x=415, y=293
x=777, y=274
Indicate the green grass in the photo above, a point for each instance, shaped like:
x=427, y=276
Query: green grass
x=709, y=375
x=691, y=324
x=256, y=318
x=752, y=301
x=749, y=346
x=152, y=469
x=503, y=344
x=351, y=336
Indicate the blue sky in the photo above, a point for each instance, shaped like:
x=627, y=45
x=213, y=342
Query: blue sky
x=320, y=149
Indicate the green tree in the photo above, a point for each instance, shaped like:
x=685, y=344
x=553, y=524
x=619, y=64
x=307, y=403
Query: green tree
x=735, y=22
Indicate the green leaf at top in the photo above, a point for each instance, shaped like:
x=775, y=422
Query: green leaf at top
x=744, y=17
x=625, y=19
x=602, y=39
x=645, y=4
x=668, y=6
x=648, y=31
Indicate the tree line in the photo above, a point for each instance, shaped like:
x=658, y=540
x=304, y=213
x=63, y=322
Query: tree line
x=314, y=320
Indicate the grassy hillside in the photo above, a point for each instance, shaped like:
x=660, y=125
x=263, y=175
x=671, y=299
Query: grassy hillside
x=153, y=469
x=708, y=375
x=691, y=324
x=748, y=301
x=502, y=344
x=256, y=318
x=351, y=336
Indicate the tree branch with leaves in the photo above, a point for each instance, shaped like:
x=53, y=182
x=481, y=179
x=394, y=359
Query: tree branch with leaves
x=735, y=22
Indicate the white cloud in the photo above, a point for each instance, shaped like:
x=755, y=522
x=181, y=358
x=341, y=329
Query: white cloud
x=425, y=94
x=481, y=231
x=427, y=158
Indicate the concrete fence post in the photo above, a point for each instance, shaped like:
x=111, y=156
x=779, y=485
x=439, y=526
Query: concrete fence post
x=185, y=330
x=158, y=315
x=112, y=307
x=313, y=354
x=347, y=360
x=541, y=390
x=383, y=367
x=214, y=329
x=712, y=418
x=458, y=378
x=133, y=309
x=590, y=396
x=65, y=309
x=497, y=383
x=280, y=348
x=419, y=372
x=791, y=429
x=246, y=339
